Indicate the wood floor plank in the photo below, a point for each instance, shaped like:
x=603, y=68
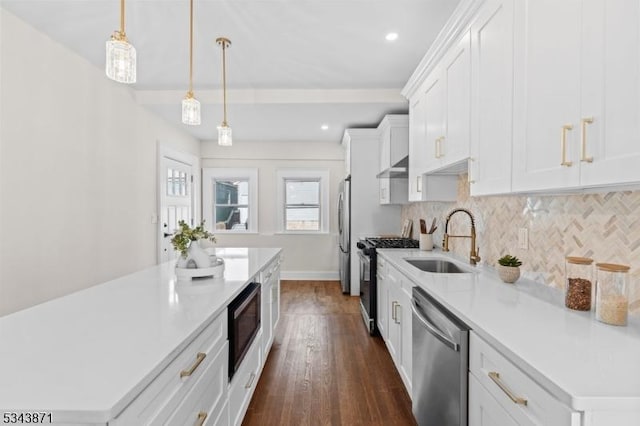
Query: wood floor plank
x=324, y=368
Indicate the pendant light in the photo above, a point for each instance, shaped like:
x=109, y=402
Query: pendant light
x=121, y=55
x=190, y=105
x=224, y=131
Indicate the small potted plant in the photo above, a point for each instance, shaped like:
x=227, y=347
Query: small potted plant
x=509, y=268
x=186, y=240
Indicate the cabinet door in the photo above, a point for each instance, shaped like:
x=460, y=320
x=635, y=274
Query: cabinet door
x=610, y=92
x=434, y=119
x=405, y=317
x=382, y=305
x=484, y=410
x=546, y=94
x=492, y=83
x=456, y=69
x=417, y=146
x=393, y=330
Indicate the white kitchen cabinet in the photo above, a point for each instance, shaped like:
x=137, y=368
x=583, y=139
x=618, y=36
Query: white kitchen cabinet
x=417, y=146
x=484, y=410
x=447, y=97
x=492, y=88
x=577, y=94
x=382, y=297
x=270, y=303
x=399, y=320
x=526, y=402
x=546, y=94
x=244, y=382
x=610, y=93
x=394, y=149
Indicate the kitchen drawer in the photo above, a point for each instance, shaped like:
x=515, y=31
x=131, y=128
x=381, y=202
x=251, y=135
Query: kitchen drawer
x=244, y=382
x=484, y=410
x=167, y=390
x=541, y=408
x=208, y=396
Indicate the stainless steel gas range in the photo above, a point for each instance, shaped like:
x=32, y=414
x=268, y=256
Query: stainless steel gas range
x=368, y=285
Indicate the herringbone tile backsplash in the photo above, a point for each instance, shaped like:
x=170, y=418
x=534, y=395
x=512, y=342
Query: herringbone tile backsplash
x=605, y=227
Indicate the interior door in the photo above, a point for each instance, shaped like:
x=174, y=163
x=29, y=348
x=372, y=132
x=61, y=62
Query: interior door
x=177, y=201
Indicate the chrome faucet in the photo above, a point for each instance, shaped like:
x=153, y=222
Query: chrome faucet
x=474, y=257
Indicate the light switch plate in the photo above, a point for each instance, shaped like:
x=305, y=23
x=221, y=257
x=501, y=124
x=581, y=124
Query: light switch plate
x=523, y=238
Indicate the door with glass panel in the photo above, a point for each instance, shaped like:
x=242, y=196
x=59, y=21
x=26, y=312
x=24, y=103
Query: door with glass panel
x=177, y=200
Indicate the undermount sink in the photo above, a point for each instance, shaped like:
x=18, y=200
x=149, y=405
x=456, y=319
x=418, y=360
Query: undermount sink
x=438, y=266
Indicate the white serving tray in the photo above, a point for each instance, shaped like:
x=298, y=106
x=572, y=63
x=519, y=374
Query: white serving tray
x=216, y=270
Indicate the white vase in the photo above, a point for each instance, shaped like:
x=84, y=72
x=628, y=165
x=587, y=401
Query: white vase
x=198, y=255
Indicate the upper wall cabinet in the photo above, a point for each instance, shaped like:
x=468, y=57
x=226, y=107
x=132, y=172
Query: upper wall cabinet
x=394, y=149
x=417, y=147
x=447, y=98
x=492, y=95
x=577, y=94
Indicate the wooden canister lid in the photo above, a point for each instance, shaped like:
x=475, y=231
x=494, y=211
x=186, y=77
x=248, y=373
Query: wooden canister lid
x=612, y=267
x=579, y=260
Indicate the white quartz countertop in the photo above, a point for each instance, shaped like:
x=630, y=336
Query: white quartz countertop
x=586, y=364
x=85, y=356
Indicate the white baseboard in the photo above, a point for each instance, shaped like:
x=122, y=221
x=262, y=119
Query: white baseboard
x=310, y=275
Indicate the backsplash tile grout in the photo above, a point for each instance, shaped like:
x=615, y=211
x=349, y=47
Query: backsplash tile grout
x=605, y=227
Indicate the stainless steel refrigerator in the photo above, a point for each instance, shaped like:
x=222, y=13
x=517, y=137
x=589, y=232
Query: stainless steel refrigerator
x=344, y=233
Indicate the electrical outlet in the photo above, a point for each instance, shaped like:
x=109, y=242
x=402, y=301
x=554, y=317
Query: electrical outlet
x=523, y=238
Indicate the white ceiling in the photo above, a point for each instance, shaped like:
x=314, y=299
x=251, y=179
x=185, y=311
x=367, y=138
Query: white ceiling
x=293, y=64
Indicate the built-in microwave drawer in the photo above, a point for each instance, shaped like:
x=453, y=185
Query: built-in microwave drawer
x=523, y=399
x=158, y=401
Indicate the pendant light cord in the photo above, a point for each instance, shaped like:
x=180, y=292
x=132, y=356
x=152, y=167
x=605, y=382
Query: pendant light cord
x=224, y=80
x=190, y=50
x=122, y=34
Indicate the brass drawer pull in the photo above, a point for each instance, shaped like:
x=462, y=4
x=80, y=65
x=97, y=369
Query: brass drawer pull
x=418, y=183
x=583, y=154
x=199, y=358
x=393, y=311
x=202, y=416
x=250, y=382
x=496, y=379
x=563, y=145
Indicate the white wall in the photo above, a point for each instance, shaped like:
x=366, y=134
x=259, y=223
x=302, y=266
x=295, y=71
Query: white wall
x=77, y=171
x=305, y=256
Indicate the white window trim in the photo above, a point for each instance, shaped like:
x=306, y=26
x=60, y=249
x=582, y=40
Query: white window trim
x=209, y=176
x=323, y=175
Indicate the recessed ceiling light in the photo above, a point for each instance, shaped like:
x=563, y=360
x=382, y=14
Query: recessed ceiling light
x=391, y=36
x=325, y=127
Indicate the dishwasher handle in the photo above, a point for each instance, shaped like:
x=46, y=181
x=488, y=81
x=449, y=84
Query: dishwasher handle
x=434, y=330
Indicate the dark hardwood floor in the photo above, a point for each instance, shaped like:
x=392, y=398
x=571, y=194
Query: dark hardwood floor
x=324, y=368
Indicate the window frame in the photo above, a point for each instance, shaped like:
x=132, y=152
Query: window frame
x=210, y=176
x=319, y=175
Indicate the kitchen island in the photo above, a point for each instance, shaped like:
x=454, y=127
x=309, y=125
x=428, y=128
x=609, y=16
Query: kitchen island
x=86, y=357
x=568, y=367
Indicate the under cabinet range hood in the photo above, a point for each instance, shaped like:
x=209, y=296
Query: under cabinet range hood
x=400, y=170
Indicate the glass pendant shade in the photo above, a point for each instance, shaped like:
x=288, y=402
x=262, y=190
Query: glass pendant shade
x=224, y=135
x=191, y=110
x=121, y=61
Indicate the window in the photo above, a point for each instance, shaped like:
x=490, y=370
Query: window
x=303, y=201
x=230, y=198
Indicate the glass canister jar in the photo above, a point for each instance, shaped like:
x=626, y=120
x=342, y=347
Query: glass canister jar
x=612, y=295
x=578, y=283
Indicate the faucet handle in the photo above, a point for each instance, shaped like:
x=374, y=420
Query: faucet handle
x=475, y=258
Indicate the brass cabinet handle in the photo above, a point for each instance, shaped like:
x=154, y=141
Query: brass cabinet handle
x=419, y=183
x=438, y=145
x=471, y=160
x=393, y=311
x=396, y=314
x=202, y=416
x=199, y=358
x=250, y=382
x=496, y=379
x=563, y=145
x=583, y=137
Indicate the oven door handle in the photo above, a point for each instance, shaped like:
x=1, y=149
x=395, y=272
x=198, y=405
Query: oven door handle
x=431, y=328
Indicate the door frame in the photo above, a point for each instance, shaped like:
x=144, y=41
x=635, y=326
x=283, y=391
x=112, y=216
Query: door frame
x=165, y=151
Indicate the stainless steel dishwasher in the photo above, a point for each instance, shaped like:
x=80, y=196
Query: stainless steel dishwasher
x=440, y=363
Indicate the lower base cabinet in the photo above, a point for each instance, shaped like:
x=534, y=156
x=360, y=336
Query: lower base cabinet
x=244, y=382
x=484, y=410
